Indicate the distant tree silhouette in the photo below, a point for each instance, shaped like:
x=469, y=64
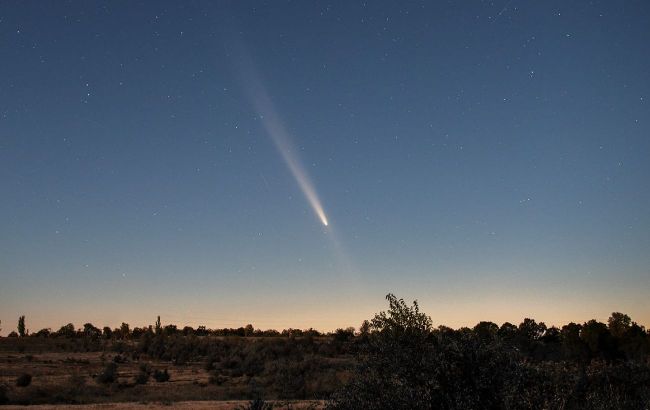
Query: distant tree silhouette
x=619, y=324
x=364, y=329
x=598, y=339
x=91, y=331
x=532, y=330
x=486, y=330
x=66, y=331
x=507, y=331
x=125, y=331
x=21, y=326
x=169, y=330
x=635, y=343
x=43, y=333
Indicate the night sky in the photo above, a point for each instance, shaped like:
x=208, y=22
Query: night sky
x=489, y=159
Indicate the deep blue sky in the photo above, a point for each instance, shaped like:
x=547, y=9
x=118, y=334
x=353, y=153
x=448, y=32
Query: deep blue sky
x=490, y=159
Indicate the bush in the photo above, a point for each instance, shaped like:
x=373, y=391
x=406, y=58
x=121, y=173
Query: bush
x=109, y=375
x=3, y=395
x=24, y=380
x=257, y=404
x=161, y=377
x=76, y=384
x=209, y=362
x=119, y=359
x=143, y=376
x=217, y=379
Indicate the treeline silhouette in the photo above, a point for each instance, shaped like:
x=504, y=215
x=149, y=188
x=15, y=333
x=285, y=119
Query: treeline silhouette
x=395, y=360
x=405, y=363
x=619, y=338
x=124, y=332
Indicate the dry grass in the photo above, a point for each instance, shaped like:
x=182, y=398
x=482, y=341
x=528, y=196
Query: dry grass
x=64, y=378
x=216, y=405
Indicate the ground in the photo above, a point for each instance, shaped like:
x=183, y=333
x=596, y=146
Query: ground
x=64, y=378
x=216, y=405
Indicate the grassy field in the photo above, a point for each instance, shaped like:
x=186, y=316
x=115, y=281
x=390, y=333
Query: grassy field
x=216, y=405
x=62, y=373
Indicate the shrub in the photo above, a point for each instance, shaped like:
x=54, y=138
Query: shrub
x=76, y=383
x=24, y=380
x=143, y=376
x=256, y=404
x=161, y=377
x=209, y=362
x=3, y=395
x=109, y=375
x=217, y=379
x=119, y=359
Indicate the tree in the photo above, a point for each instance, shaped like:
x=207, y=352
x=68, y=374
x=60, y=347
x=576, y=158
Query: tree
x=394, y=360
x=618, y=324
x=486, y=330
x=91, y=331
x=43, y=333
x=343, y=335
x=531, y=330
x=125, y=331
x=21, y=326
x=635, y=344
x=507, y=331
x=597, y=337
x=364, y=329
x=169, y=330
x=66, y=331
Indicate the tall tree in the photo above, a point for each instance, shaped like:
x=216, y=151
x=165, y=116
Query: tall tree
x=125, y=330
x=21, y=326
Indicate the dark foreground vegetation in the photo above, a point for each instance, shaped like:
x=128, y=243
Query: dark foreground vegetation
x=397, y=360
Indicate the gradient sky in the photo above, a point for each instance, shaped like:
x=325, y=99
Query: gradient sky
x=490, y=159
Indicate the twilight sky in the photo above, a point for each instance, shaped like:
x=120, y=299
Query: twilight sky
x=490, y=159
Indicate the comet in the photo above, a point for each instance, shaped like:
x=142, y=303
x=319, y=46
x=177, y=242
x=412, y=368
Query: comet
x=279, y=135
